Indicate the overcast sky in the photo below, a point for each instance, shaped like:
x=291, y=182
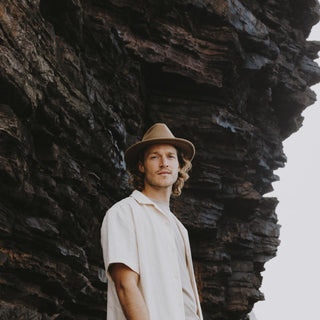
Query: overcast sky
x=291, y=282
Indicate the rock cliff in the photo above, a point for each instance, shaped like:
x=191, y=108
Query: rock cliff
x=80, y=81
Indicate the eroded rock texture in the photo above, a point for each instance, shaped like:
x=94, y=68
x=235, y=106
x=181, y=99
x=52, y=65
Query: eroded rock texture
x=82, y=80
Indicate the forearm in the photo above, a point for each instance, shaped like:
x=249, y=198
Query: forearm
x=132, y=303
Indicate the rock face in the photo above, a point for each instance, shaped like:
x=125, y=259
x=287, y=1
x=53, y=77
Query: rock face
x=80, y=81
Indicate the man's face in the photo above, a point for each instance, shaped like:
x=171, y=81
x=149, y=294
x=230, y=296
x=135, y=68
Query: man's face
x=160, y=166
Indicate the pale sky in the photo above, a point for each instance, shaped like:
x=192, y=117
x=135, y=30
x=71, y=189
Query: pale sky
x=291, y=282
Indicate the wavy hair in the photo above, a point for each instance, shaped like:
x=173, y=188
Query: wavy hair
x=136, y=177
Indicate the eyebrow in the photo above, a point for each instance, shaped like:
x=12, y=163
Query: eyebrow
x=156, y=152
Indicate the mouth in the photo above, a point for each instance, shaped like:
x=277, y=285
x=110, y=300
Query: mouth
x=164, y=172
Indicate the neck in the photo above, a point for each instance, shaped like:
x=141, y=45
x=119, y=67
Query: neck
x=160, y=194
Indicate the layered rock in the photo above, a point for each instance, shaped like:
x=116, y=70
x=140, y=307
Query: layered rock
x=80, y=81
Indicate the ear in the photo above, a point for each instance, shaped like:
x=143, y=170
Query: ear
x=141, y=167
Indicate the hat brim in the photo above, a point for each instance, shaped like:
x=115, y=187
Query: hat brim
x=131, y=155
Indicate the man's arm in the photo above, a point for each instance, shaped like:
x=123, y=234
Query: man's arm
x=130, y=297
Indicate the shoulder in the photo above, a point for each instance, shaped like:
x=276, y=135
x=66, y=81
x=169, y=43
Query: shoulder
x=123, y=209
x=119, y=214
x=122, y=204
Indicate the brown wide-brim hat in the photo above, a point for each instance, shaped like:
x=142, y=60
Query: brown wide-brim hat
x=159, y=133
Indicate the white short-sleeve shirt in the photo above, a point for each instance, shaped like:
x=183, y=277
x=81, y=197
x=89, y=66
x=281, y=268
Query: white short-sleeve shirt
x=136, y=232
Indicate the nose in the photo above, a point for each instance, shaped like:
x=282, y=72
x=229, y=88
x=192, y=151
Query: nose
x=164, y=162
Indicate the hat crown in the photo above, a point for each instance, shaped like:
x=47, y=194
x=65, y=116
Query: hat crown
x=158, y=131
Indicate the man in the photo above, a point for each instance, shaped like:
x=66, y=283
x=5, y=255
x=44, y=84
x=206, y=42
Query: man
x=146, y=248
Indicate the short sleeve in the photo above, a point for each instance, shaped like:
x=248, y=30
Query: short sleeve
x=118, y=239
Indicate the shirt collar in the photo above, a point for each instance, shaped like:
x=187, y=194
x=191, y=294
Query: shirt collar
x=142, y=199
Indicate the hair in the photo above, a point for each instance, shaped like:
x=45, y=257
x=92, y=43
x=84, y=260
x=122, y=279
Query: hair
x=136, y=177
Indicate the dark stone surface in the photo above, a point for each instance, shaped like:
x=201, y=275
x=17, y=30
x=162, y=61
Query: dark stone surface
x=82, y=80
